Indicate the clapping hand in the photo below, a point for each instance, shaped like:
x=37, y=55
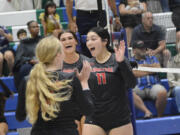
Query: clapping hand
x=83, y=76
x=120, y=51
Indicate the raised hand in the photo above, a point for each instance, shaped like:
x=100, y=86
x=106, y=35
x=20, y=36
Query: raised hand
x=120, y=51
x=83, y=76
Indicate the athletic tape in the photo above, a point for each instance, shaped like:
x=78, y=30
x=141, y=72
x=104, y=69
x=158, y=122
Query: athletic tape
x=161, y=70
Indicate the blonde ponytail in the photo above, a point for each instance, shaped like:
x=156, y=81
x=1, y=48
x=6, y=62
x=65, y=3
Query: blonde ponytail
x=43, y=91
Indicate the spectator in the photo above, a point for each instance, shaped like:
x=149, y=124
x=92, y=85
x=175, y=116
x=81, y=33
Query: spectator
x=25, y=55
x=50, y=19
x=6, y=53
x=175, y=8
x=130, y=14
x=174, y=79
x=153, y=37
x=88, y=15
x=148, y=85
x=21, y=34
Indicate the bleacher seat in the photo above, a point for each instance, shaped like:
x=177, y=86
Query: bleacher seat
x=159, y=126
x=172, y=48
x=171, y=108
x=11, y=103
x=13, y=133
x=13, y=123
x=9, y=81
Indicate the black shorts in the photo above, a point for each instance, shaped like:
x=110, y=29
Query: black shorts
x=7, y=49
x=130, y=20
x=55, y=131
x=107, y=126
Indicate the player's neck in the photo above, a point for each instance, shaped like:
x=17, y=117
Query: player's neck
x=71, y=58
x=103, y=57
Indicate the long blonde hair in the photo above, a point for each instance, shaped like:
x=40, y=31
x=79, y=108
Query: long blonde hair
x=42, y=91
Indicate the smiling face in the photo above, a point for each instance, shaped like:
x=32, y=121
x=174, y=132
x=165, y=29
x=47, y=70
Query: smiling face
x=69, y=42
x=95, y=44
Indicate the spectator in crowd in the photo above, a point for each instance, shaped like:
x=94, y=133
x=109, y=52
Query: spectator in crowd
x=130, y=14
x=6, y=53
x=175, y=8
x=148, y=85
x=174, y=78
x=25, y=55
x=89, y=15
x=21, y=34
x=153, y=37
x=50, y=19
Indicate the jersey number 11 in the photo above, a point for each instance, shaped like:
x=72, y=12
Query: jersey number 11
x=101, y=78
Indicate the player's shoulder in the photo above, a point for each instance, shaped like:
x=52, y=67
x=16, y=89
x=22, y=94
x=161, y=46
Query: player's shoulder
x=83, y=57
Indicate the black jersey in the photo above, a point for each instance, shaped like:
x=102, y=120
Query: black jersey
x=109, y=83
x=65, y=117
x=69, y=68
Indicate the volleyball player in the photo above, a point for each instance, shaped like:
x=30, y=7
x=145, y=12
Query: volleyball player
x=110, y=80
x=72, y=61
x=51, y=94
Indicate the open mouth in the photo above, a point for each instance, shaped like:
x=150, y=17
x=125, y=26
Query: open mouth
x=92, y=49
x=69, y=46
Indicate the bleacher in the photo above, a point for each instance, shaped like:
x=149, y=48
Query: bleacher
x=166, y=125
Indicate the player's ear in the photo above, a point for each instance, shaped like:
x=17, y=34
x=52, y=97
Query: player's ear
x=104, y=42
